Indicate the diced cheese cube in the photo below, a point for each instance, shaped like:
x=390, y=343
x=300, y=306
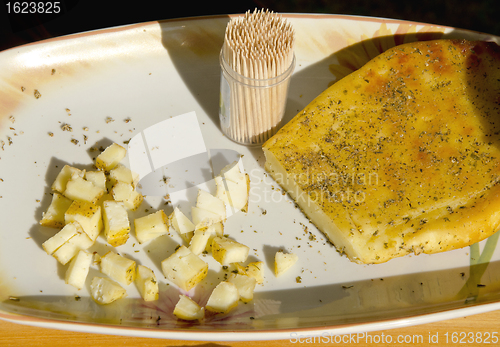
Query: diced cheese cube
x=118, y=268
x=71, y=248
x=97, y=258
x=79, y=188
x=78, y=269
x=64, y=235
x=105, y=197
x=54, y=216
x=64, y=176
x=105, y=291
x=82, y=241
x=116, y=222
x=181, y=223
x=222, y=191
x=227, y=251
x=240, y=269
x=234, y=193
x=256, y=270
x=233, y=187
x=223, y=298
x=146, y=283
x=187, y=309
x=151, y=226
x=124, y=192
x=123, y=174
x=110, y=157
x=203, y=218
x=283, y=261
x=184, y=268
x=65, y=253
x=219, y=230
x=200, y=239
x=208, y=202
x=245, y=284
x=231, y=171
x=98, y=179
x=88, y=215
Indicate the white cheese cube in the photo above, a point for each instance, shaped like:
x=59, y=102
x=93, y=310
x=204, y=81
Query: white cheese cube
x=240, y=269
x=105, y=291
x=82, y=241
x=54, y=216
x=71, y=248
x=78, y=269
x=116, y=222
x=208, y=202
x=79, y=188
x=187, y=309
x=219, y=230
x=256, y=270
x=181, y=223
x=146, y=283
x=234, y=193
x=118, y=268
x=64, y=235
x=64, y=176
x=110, y=157
x=88, y=215
x=123, y=174
x=65, y=253
x=200, y=239
x=227, y=251
x=223, y=298
x=231, y=171
x=98, y=179
x=151, y=226
x=97, y=259
x=124, y=192
x=283, y=261
x=184, y=268
x=203, y=218
x=245, y=284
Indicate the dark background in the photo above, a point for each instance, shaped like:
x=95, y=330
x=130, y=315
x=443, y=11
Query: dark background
x=83, y=15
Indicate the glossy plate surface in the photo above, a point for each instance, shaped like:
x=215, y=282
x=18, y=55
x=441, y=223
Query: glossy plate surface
x=111, y=85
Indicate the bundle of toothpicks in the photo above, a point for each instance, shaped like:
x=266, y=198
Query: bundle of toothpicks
x=259, y=48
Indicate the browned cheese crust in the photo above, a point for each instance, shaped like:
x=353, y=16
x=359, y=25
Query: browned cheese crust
x=402, y=155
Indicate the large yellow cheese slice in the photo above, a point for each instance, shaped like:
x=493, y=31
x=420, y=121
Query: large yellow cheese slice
x=402, y=155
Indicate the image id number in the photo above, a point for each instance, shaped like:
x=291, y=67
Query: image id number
x=468, y=338
x=30, y=7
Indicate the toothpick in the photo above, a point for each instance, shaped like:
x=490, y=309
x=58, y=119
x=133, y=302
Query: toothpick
x=258, y=46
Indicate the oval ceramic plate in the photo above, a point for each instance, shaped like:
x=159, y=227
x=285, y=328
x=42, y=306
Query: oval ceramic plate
x=63, y=99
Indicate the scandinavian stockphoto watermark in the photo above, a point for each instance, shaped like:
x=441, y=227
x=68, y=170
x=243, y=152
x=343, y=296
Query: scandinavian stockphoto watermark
x=358, y=338
x=172, y=157
x=314, y=187
x=431, y=338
